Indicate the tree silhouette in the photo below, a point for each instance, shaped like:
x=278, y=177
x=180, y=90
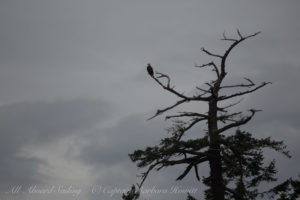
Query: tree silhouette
x=236, y=158
x=243, y=166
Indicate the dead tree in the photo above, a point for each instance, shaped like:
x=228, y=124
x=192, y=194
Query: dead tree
x=175, y=150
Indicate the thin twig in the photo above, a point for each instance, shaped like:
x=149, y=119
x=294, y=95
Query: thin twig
x=211, y=54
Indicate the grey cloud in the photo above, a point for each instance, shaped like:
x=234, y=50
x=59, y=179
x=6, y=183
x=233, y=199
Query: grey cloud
x=36, y=124
x=115, y=143
x=41, y=122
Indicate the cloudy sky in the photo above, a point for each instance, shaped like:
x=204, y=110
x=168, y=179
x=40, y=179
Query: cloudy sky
x=75, y=95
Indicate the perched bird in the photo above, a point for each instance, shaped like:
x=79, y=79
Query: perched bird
x=150, y=70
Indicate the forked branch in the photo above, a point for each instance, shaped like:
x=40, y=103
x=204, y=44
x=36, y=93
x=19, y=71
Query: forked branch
x=235, y=43
x=159, y=112
x=215, y=68
x=250, y=84
x=239, y=122
x=164, y=163
x=221, y=98
x=223, y=109
x=210, y=54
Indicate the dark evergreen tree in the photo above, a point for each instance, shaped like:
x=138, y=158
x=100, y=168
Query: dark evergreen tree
x=236, y=159
x=288, y=190
x=243, y=165
x=244, y=169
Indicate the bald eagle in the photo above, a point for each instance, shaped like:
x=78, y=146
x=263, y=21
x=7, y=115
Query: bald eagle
x=150, y=70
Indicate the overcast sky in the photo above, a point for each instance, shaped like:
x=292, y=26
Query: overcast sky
x=75, y=95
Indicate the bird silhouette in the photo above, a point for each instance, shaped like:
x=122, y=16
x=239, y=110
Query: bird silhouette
x=150, y=70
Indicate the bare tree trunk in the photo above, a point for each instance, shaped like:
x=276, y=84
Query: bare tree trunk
x=215, y=162
x=217, y=187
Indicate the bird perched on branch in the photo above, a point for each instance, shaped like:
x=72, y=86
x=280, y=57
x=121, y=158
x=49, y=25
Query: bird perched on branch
x=150, y=70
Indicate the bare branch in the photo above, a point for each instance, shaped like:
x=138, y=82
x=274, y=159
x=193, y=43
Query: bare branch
x=239, y=33
x=172, y=90
x=235, y=43
x=243, y=93
x=210, y=85
x=164, y=163
x=238, y=123
x=194, y=121
x=167, y=87
x=159, y=112
x=164, y=76
x=228, y=39
x=211, y=54
x=187, y=114
x=145, y=174
x=210, y=64
x=224, y=35
x=248, y=79
x=196, y=172
x=253, y=35
x=194, y=160
x=250, y=84
x=194, y=152
x=223, y=109
x=189, y=167
x=224, y=118
x=181, y=161
x=203, y=90
x=186, y=171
